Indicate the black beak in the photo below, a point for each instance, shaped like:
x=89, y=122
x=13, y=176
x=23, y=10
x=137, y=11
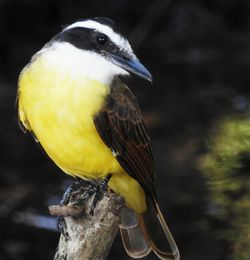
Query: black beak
x=132, y=65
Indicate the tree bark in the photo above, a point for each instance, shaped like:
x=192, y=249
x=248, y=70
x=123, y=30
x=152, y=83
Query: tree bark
x=89, y=237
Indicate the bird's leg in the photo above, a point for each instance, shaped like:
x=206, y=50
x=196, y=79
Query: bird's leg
x=70, y=190
x=103, y=184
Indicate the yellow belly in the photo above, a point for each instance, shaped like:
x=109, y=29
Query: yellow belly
x=59, y=109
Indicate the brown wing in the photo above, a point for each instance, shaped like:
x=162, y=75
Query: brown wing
x=120, y=125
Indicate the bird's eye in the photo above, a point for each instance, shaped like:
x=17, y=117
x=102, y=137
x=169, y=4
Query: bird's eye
x=101, y=39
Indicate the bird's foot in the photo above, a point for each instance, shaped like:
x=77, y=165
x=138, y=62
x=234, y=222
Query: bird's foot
x=70, y=190
x=88, y=189
x=81, y=190
x=62, y=227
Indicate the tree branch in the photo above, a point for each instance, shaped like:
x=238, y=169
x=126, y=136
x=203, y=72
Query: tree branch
x=89, y=237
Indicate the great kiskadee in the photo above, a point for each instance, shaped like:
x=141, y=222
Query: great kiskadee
x=73, y=101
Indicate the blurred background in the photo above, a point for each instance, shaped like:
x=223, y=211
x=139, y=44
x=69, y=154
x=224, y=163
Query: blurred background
x=197, y=112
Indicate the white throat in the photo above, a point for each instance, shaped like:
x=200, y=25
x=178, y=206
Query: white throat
x=78, y=62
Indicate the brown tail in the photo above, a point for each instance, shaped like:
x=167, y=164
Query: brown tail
x=142, y=233
x=134, y=241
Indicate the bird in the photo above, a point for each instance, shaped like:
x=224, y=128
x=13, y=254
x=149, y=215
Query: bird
x=73, y=99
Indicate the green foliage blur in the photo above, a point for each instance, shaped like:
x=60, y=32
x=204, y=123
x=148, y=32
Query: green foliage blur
x=226, y=167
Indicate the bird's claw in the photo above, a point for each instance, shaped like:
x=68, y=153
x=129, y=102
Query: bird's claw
x=62, y=227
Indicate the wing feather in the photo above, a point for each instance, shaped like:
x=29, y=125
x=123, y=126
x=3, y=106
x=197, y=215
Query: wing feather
x=121, y=126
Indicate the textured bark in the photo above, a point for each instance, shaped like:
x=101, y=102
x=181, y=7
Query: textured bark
x=89, y=236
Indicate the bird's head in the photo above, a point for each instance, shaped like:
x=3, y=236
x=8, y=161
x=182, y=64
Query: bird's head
x=105, y=51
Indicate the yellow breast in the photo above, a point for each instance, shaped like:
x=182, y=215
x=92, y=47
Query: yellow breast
x=59, y=108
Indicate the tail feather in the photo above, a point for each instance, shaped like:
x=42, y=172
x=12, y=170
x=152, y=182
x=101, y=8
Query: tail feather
x=133, y=238
x=142, y=233
x=158, y=234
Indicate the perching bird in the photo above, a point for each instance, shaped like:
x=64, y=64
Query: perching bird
x=74, y=102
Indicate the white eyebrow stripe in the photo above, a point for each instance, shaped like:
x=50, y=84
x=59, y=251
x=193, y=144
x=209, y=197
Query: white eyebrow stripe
x=114, y=37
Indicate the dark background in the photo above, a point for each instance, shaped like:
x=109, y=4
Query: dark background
x=199, y=55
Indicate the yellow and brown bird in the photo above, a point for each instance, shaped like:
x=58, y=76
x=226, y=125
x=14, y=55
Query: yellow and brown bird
x=71, y=98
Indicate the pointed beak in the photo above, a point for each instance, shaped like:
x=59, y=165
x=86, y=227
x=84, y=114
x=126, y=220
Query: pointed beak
x=133, y=66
